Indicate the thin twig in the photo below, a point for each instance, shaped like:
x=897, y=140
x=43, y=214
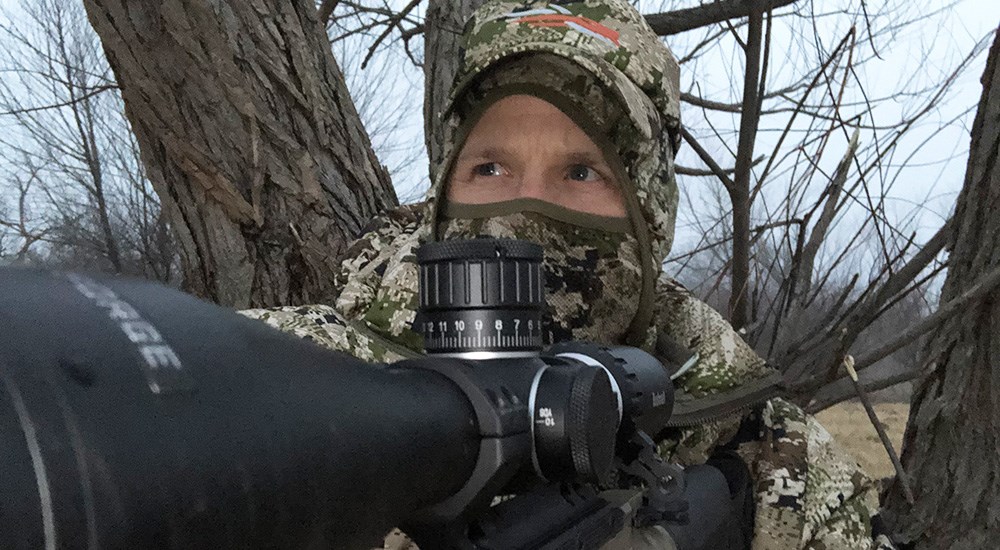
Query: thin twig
x=710, y=38
x=757, y=232
x=886, y=442
x=707, y=159
x=799, y=107
x=686, y=171
x=393, y=22
x=871, y=39
x=713, y=105
x=67, y=103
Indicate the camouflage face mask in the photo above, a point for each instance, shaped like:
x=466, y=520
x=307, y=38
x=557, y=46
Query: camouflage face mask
x=592, y=273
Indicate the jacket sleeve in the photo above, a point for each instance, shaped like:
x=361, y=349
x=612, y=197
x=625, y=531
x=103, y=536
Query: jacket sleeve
x=325, y=326
x=375, y=258
x=368, y=318
x=810, y=493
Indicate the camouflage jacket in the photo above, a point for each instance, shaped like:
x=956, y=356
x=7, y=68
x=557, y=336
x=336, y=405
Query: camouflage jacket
x=809, y=492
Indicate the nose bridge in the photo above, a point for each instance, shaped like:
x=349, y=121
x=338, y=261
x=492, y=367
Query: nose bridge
x=535, y=182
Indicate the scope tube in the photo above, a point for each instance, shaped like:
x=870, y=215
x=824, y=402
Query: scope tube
x=132, y=415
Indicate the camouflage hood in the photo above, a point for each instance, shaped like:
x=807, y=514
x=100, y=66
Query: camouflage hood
x=600, y=63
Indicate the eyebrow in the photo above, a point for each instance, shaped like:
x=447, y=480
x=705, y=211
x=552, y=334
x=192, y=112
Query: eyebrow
x=487, y=152
x=584, y=157
x=572, y=157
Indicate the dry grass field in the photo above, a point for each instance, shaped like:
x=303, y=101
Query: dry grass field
x=850, y=426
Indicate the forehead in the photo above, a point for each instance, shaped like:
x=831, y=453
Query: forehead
x=525, y=116
x=522, y=106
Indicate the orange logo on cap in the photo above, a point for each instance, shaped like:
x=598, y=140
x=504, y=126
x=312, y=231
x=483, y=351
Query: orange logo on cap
x=557, y=16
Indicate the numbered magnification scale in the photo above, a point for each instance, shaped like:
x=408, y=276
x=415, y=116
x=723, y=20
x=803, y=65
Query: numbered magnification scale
x=481, y=296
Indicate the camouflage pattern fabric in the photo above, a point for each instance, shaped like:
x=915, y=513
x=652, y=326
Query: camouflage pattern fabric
x=610, y=37
x=590, y=274
x=326, y=327
x=809, y=493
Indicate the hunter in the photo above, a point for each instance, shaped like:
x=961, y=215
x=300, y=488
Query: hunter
x=562, y=127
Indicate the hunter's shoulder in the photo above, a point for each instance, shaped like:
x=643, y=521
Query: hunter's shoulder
x=401, y=220
x=378, y=272
x=724, y=359
x=383, y=238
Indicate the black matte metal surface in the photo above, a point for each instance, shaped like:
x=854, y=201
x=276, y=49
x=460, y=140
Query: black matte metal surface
x=259, y=439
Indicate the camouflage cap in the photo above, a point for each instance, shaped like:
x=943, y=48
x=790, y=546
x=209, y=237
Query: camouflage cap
x=607, y=37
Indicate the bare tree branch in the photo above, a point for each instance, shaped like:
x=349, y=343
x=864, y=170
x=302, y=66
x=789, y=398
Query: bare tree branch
x=91, y=93
x=808, y=362
x=739, y=194
x=679, y=21
x=705, y=157
x=686, y=171
x=326, y=11
x=803, y=272
x=391, y=24
x=704, y=103
x=983, y=287
x=842, y=390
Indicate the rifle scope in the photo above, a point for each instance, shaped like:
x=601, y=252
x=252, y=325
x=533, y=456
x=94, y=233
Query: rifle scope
x=133, y=415
x=136, y=416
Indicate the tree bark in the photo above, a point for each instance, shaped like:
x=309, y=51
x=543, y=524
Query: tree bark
x=443, y=25
x=951, y=440
x=250, y=139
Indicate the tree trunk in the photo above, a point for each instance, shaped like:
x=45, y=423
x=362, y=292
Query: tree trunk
x=953, y=433
x=250, y=139
x=739, y=194
x=443, y=25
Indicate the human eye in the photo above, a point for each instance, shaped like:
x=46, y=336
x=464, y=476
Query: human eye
x=488, y=169
x=582, y=172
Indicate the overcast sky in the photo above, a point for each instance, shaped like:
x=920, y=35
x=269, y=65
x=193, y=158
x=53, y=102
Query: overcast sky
x=918, y=54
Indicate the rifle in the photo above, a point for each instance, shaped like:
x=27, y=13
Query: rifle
x=134, y=415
